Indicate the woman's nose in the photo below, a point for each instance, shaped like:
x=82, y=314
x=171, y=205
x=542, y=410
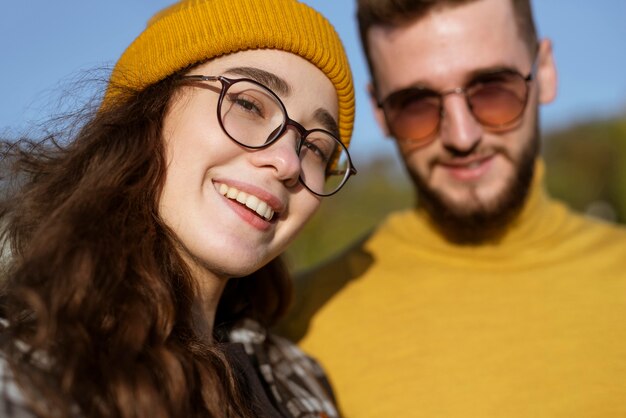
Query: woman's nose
x=282, y=157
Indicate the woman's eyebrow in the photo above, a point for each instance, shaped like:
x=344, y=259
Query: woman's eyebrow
x=329, y=123
x=272, y=81
x=282, y=88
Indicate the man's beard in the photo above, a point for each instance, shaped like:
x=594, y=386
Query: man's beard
x=486, y=221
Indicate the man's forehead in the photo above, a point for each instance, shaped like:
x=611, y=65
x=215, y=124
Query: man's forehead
x=448, y=42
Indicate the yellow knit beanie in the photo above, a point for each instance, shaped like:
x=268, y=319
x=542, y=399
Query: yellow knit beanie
x=193, y=31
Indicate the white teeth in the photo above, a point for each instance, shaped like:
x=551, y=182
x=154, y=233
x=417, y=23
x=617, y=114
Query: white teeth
x=252, y=202
x=231, y=193
x=261, y=208
x=242, y=197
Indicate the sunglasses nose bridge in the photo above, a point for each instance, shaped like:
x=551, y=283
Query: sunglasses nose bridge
x=455, y=91
x=459, y=127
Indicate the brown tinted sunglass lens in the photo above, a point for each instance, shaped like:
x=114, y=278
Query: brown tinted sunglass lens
x=413, y=115
x=499, y=103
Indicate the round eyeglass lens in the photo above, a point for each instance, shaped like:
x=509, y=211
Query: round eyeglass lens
x=414, y=118
x=500, y=101
x=413, y=114
x=251, y=114
x=325, y=163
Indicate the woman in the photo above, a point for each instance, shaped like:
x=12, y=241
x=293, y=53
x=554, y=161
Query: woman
x=141, y=267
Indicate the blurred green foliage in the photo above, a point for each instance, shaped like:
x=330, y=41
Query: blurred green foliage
x=380, y=187
x=586, y=167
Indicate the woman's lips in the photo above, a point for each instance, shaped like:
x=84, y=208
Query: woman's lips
x=251, y=201
x=254, y=205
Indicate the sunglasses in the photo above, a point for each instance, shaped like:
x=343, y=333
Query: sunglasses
x=497, y=100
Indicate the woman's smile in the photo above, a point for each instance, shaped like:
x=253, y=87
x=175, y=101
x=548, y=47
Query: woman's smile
x=251, y=201
x=220, y=197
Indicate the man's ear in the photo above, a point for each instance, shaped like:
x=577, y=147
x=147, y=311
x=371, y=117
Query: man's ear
x=546, y=72
x=377, y=110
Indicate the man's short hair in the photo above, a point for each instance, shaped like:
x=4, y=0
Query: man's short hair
x=397, y=12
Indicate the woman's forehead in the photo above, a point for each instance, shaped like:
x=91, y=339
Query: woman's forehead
x=293, y=78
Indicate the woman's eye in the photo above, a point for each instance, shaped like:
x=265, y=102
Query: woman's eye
x=315, y=149
x=247, y=104
x=321, y=148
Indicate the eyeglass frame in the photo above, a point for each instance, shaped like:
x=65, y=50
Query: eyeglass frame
x=463, y=90
x=227, y=82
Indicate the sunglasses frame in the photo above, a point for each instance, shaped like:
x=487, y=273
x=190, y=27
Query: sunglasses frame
x=460, y=90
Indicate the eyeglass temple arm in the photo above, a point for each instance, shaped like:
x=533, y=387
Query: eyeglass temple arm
x=201, y=77
x=533, y=69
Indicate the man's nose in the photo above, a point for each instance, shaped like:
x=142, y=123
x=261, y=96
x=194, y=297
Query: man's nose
x=460, y=131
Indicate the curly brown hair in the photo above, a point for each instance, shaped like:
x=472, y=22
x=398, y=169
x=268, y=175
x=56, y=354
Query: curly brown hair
x=96, y=298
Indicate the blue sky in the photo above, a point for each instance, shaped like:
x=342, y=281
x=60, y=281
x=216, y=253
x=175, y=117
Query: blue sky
x=45, y=43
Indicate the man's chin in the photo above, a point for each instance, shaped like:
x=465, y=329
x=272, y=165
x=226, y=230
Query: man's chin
x=472, y=208
x=474, y=218
x=479, y=214
x=471, y=222
x=475, y=221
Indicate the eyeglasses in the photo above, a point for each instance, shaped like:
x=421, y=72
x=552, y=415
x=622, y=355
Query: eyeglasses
x=254, y=117
x=497, y=100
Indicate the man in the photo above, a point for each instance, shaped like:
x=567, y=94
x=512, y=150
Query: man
x=489, y=299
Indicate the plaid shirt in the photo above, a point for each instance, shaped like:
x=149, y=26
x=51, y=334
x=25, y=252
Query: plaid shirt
x=296, y=382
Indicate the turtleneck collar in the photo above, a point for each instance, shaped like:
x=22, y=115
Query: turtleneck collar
x=539, y=218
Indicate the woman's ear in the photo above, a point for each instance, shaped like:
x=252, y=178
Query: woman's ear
x=546, y=72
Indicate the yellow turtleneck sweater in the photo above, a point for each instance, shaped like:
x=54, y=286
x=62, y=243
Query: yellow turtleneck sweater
x=409, y=325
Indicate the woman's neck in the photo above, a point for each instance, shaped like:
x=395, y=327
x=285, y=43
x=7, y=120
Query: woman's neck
x=209, y=291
